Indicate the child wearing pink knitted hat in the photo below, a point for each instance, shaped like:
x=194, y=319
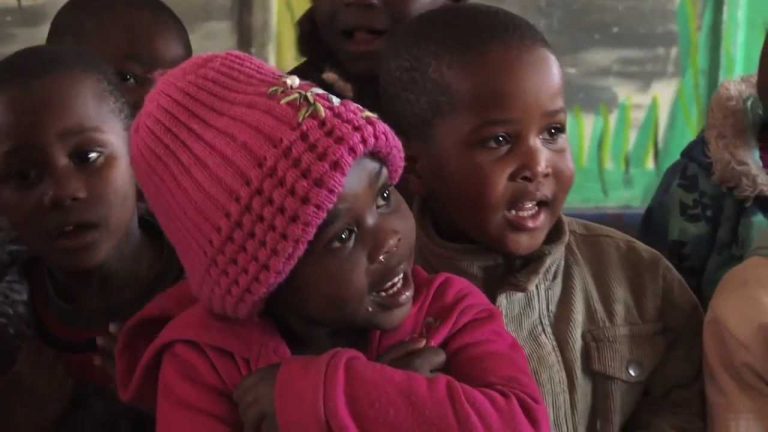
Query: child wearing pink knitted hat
x=299, y=253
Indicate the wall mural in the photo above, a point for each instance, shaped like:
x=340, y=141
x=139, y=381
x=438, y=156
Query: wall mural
x=621, y=156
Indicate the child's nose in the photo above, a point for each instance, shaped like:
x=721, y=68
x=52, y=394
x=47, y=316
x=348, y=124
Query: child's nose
x=533, y=164
x=390, y=243
x=64, y=188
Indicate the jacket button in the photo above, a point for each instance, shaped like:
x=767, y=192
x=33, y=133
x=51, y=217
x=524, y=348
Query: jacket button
x=634, y=368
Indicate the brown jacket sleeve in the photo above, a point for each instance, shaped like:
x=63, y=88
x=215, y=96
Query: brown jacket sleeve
x=674, y=396
x=736, y=350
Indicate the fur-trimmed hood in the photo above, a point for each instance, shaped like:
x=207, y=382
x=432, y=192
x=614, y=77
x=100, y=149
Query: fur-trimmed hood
x=732, y=146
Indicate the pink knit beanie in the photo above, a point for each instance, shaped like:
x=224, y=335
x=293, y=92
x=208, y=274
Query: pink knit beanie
x=241, y=164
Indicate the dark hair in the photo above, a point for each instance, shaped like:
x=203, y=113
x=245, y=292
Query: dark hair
x=79, y=20
x=414, y=91
x=32, y=64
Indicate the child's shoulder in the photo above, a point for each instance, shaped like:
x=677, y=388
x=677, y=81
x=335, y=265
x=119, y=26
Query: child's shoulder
x=176, y=316
x=607, y=254
x=175, y=325
x=620, y=273
x=597, y=238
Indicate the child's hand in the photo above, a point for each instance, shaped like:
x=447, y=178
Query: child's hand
x=255, y=398
x=35, y=393
x=107, y=345
x=415, y=356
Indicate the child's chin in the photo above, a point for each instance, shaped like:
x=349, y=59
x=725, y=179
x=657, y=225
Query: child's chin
x=78, y=261
x=524, y=244
x=392, y=319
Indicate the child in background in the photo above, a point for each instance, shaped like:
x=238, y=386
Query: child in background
x=736, y=346
x=341, y=41
x=279, y=199
x=713, y=201
x=612, y=332
x=139, y=39
x=67, y=190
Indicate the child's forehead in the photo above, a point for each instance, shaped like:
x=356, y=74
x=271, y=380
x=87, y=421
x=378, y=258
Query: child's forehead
x=62, y=85
x=136, y=34
x=53, y=102
x=365, y=176
x=498, y=75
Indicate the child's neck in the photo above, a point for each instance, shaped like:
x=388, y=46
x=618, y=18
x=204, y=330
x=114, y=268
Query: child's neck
x=445, y=229
x=304, y=338
x=124, y=276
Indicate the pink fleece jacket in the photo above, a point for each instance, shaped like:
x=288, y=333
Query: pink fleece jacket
x=179, y=358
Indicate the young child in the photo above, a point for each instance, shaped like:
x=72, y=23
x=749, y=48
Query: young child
x=278, y=199
x=612, y=333
x=341, y=41
x=140, y=39
x=67, y=190
x=736, y=346
x=714, y=199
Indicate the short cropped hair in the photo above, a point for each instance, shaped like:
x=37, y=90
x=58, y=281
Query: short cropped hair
x=74, y=22
x=414, y=91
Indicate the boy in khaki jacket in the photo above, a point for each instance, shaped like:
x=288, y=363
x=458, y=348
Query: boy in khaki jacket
x=612, y=332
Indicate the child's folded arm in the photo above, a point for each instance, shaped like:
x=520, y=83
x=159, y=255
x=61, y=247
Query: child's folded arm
x=192, y=393
x=674, y=395
x=487, y=386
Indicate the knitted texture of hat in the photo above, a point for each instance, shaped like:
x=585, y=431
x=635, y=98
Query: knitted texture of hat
x=241, y=164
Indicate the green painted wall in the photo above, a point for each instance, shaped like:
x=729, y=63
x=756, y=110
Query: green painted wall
x=619, y=164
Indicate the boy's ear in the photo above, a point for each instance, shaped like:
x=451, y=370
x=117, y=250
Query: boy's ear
x=762, y=73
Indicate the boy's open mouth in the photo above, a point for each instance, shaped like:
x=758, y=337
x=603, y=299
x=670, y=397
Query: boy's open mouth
x=527, y=215
x=75, y=235
x=363, y=39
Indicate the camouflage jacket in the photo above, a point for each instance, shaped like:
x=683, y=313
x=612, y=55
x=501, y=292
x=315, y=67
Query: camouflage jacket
x=713, y=201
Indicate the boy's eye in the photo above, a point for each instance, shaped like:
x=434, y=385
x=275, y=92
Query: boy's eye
x=554, y=132
x=385, y=196
x=344, y=237
x=127, y=78
x=498, y=141
x=88, y=157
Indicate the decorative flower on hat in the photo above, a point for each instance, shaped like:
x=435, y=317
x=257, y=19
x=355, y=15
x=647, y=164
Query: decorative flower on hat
x=306, y=99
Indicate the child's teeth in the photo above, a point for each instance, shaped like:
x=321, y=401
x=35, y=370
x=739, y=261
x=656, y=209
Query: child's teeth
x=393, y=286
x=526, y=209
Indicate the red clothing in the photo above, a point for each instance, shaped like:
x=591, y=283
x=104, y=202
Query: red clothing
x=76, y=346
x=193, y=367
